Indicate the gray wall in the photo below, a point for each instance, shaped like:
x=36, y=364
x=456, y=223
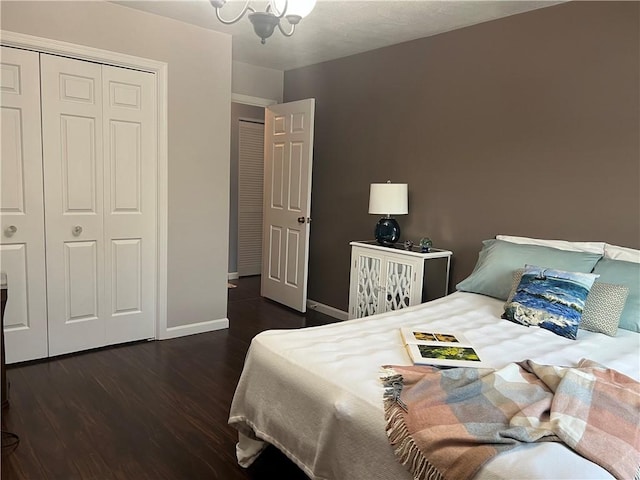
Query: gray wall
x=238, y=112
x=199, y=110
x=526, y=125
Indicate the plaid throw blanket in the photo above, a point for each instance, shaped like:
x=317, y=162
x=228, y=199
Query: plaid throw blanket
x=444, y=424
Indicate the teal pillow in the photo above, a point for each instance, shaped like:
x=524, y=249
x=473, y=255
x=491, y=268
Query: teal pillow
x=627, y=274
x=493, y=273
x=550, y=299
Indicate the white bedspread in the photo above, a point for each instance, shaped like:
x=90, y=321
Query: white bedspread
x=314, y=393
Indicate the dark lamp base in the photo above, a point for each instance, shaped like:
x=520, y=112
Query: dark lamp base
x=387, y=231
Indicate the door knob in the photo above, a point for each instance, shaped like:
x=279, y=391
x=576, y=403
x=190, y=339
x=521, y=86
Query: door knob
x=300, y=219
x=77, y=230
x=10, y=230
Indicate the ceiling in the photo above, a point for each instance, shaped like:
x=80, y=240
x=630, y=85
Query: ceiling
x=337, y=28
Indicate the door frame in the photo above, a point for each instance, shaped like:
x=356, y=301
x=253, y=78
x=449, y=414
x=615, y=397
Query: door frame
x=160, y=69
x=255, y=102
x=258, y=122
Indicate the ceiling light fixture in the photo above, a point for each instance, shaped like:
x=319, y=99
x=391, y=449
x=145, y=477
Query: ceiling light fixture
x=264, y=23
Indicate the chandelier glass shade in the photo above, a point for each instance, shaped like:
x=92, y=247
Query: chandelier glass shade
x=264, y=23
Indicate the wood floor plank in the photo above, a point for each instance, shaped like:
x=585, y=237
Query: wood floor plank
x=155, y=410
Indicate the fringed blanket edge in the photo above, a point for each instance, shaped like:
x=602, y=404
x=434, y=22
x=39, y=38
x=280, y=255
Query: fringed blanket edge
x=400, y=439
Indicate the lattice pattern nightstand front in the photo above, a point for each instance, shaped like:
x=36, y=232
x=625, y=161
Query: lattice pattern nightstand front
x=398, y=290
x=387, y=278
x=369, y=285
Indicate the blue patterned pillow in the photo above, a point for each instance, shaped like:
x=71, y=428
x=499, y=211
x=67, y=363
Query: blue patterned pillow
x=551, y=299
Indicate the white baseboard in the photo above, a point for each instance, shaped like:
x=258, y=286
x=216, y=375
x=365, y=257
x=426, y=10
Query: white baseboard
x=233, y=276
x=194, y=328
x=327, y=310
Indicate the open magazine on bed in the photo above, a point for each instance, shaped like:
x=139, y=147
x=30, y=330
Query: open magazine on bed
x=427, y=346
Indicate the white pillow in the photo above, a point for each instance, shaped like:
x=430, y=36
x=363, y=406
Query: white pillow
x=625, y=254
x=590, y=247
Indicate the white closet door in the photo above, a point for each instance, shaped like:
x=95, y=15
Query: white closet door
x=99, y=132
x=21, y=207
x=73, y=173
x=250, y=198
x=130, y=203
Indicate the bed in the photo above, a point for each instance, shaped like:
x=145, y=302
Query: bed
x=315, y=393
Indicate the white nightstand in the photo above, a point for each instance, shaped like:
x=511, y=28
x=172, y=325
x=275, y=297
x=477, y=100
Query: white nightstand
x=388, y=278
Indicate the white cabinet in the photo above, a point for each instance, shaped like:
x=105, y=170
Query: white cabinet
x=387, y=278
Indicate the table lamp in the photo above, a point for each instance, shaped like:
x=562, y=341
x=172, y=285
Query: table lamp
x=388, y=199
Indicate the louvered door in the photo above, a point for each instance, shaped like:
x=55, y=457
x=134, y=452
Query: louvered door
x=250, y=199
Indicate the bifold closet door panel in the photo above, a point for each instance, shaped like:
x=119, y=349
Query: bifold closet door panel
x=72, y=131
x=22, y=253
x=130, y=174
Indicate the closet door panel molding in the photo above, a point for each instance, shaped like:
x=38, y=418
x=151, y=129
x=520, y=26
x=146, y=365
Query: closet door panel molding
x=22, y=253
x=72, y=131
x=130, y=203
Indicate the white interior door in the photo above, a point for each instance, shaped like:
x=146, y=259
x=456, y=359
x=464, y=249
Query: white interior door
x=288, y=158
x=130, y=203
x=22, y=255
x=99, y=140
x=250, y=197
x=73, y=173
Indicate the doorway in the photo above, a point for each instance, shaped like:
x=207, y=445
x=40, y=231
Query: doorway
x=287, y=158
x=251, y=116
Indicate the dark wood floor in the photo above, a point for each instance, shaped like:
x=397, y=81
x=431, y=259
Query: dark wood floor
x=155, y=410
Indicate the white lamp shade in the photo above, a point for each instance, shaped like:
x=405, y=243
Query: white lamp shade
x=300, y=8
x=389, y=198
